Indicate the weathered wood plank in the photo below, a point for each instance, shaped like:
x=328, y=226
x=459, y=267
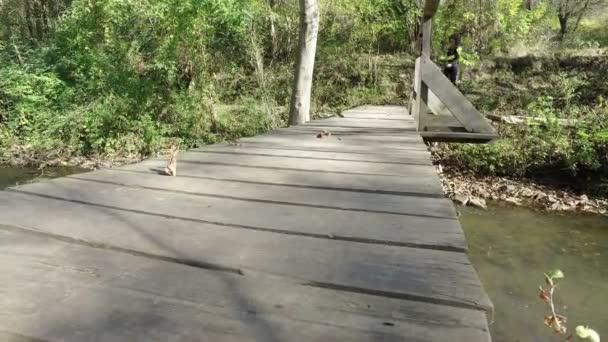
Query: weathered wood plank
x=441, y=122
x=264, y=193
x=374, y=116
x=370, y=109
x=462, y=137
x=409, y=157
x=55, y=290
x=408, y=134
x=456, y=102
x=321, y=165
x=288, y=219
x=396, y=139
x=332, y=143
x=409, y=185
x=408, y=273
x=387, y=124
x=391, y=122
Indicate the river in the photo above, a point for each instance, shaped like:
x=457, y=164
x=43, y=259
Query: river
x=510, y=248
x=10, y=176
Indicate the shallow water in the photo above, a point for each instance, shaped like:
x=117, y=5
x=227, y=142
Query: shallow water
x=10, y=176
x=511, y=248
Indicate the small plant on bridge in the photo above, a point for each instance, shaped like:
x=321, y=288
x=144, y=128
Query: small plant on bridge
x=556, y=321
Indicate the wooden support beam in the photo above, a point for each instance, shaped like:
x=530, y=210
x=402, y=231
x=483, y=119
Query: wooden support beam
x=459, y=137
x=416, y=80
x=457, y=103
x=422, y=106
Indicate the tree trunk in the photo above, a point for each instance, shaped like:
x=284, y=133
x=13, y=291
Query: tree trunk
x=530, y=4
x=299, y=112
x=430, y=8
x=563, y=25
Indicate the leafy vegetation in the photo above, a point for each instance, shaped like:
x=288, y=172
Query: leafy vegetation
x=556, y=321
x=570, y=102
x=121, y=79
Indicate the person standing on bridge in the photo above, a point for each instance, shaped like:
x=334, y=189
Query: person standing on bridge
x=452, y=58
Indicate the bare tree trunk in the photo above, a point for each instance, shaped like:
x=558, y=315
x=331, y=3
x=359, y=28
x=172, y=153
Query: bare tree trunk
x=530, y=4
x=299, y=112
x=563, y=26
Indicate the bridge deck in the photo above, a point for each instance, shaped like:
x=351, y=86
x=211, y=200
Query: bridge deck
x=285, y=237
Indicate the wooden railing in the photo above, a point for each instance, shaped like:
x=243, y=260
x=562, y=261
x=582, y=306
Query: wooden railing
x=460, y=121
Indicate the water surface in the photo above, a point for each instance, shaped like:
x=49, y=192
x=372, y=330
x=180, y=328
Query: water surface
x=511, y=248
x=11, y=176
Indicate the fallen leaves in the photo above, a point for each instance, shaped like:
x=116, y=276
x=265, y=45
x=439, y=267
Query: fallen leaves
x=468, y=189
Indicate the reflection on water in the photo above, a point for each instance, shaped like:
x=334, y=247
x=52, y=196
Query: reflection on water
x=10, y=176
x=511, y=248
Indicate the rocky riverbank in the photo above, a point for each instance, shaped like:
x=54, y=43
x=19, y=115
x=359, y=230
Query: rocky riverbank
x=467, y=189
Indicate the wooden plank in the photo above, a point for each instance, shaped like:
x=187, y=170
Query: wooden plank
x=423, y=107
x=334, y=147
x=456, y=102
x=339, y=200
x=417, y=185
x=425, y=275
x=69, y=292
x=252, y=215
x=403, y=122
x=350, y=131
x=384, y=110
x=335, y=144
x=461, y=137
x=443, y=123
x=342, y=122
x=328, y=165
x=410, y=157
x=388, y=138
x=376, y=115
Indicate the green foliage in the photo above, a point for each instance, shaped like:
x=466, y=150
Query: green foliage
x=587, y=333
x=592, y=32
x=555, y=274
x=553, y=319
x=489, y=26
x=368, y=25
x=567, y=129
x=121, y=78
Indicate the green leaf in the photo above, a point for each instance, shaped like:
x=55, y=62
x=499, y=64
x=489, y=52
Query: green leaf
x=555, y=274
x=587, y=334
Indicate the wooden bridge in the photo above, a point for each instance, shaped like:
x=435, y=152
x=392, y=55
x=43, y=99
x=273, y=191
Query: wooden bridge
x=283, y=237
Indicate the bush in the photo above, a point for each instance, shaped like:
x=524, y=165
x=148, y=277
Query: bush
x=531, y=150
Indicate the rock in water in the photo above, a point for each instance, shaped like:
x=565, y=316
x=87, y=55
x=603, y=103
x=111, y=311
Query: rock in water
x=513, y=201
x=478, y=203
x=461, y=199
